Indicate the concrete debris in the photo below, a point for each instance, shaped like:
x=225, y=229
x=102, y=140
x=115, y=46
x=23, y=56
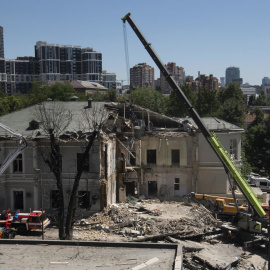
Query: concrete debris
x=188, y=224
x=147, y=218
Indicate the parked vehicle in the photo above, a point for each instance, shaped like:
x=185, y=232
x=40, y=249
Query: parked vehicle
x=24, y=222
x=261, y=182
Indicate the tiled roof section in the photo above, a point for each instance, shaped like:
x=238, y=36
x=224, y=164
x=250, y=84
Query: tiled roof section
x=249, y=118
x=82, y=85
x=159, y=120
x=170, y=134
x=19, y=120
x=215, y=124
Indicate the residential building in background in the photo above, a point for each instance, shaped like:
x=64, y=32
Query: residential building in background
x=2, y=55
x=248, y=91
x=208, y=82
x=157, y=83
x=68, y=63
x=266, y=90
x=177, y=73
x=233, y=75
x=142, y=75
x=52, y=62
x=19, y=74
x=3, y=75
x=109, y=80
x=266, y=81
x=222, y=81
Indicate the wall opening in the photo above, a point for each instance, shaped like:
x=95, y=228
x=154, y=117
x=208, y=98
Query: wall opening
x=130, y=188
x=152, y=188
x=18, y=200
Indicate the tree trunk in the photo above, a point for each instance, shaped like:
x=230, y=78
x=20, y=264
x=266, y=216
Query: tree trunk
x=73, y=202
x=55, y=165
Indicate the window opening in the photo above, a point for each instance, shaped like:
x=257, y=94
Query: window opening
x=18, y=164
x=132, y=159
x=151, y=156
x=18, y=200
x=175, y=157
x=176, y=184
x=86, y=163
x=233, y=148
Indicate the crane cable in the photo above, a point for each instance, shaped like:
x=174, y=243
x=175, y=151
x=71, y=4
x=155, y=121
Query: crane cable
x=126, y=51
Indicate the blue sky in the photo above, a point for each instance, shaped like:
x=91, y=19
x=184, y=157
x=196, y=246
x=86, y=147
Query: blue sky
x=206, y=36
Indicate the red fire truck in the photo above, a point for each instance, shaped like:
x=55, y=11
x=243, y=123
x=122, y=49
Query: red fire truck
x=24, y=222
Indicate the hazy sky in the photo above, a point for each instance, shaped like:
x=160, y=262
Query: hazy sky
x=206, y=36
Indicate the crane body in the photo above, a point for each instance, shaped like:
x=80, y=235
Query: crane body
x=231, y=169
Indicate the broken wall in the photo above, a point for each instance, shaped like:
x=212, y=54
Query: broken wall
x=212, y=177
x=165, y=178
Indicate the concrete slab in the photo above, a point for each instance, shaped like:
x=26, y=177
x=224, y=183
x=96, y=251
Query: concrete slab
x=120, y=256
x=219, y=256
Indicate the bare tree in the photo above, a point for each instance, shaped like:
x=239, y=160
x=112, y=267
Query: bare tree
x=90, y=121
x=54, y=120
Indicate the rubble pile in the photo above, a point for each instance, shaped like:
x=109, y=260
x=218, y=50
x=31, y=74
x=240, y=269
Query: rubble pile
x=145, y=218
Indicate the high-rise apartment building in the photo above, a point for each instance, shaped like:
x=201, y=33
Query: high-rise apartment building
x=142, y=75
x=177, y=73
x=2, y=55
x=3, y=78
x=233, y=75
x=208, y=82
x=52, y=62
x=109, y=80
x=61, y=62
x=20, y=73
x=265, y=81
x=222, y=81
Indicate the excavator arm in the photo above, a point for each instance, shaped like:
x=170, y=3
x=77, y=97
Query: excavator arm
x=229, y=166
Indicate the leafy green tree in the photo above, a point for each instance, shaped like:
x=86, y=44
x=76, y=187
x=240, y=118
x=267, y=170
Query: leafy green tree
x=259, y=116
x=246, y=168
x=175, y=107
x=4, y=106
x=39, y=92
x=252, y=100
x=207, y=103
x=232, y=107
x=123, y=98
x=61, y=91
x=14, y=103
x=148, y=98
x=96, y=96
x=261, y=100
x=110, y=95
x=257, y=142
x=2, y=94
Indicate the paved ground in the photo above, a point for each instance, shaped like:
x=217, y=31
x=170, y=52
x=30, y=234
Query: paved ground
x=13, y=257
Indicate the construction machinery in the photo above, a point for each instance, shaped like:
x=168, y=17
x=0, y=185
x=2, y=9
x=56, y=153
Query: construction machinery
x=220, y=205
x=231, y=169
x=12, y=156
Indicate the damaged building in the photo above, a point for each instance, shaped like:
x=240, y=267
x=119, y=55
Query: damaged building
x=28, y=183
x=164, y=157
x=138, y=152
